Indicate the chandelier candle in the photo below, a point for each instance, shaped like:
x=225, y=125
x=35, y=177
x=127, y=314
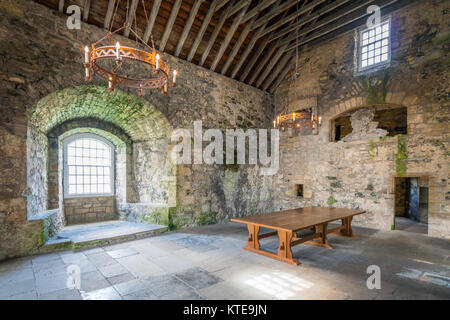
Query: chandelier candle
x=117, y=50
x=86, y=60
x=157, y=61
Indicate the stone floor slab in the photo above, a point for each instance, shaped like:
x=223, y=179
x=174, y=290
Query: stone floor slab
x=64, y=294
x=413, y=266
x=198, y=278
x=94, y=280
x=122, y=253
x=140, y=266
x=108, y=293
x=113, y=270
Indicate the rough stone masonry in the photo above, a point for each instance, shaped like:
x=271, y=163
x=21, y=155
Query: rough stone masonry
x=360, y=173
x=43, y=96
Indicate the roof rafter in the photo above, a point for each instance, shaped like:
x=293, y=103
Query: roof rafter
x=216, y=31
x=238, y=6
x=247, y=51
x=250, y=46
x=237, y=46
x=216, y=5
x=256, y=10
x=338, y=25
x=187, y=26
x=288, y=57
x=304, y=20
x=86, y=8
x=109, y=14
x=279, y=67
x=278, y=56
x=228, y=37
x=130, y=17
x=330, y=19
x=282, y=75
x=270, y=66
x=275, y=11
x=275, y=45
x=169, y=25
x=260, y=48
x=151, y=20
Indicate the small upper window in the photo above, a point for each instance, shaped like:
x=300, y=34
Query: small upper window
x=374, y=46
x=88, y=166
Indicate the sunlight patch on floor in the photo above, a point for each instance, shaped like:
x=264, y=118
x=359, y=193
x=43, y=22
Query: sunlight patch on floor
x=281, y=285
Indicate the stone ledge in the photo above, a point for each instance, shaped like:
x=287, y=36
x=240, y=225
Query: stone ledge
x=44, y=215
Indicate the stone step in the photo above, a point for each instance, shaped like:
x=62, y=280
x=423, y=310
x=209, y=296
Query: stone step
x=87, y=236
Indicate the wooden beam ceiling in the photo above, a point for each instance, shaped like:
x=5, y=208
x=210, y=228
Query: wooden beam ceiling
x=86, y=8
x=130, y=16
x=253, y=41
x=151, y=20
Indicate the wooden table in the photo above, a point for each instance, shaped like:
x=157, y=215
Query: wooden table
x=287, y=223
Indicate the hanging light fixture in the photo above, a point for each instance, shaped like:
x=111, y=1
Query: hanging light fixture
x=301, y=118
x=106, y=60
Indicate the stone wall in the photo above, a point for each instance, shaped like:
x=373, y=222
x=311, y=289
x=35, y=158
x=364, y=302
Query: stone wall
x=89, y=209
x=43, y=86
x=360, y=174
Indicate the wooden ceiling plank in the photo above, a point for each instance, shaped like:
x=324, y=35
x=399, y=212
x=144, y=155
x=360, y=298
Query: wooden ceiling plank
x=86, y=8
x=151, y=20
x=279, y=67
x=228, y=37
x=187, y=26
x=238, y=45
x=61, y=6
x=335, y=26
x=237, y=7
x=220, y=4
x=249, y=66
x=130, y=17
x=275, y=12
x=169, y=25
x=304, y=21
x=282, y=75
x=202, y=30
x=256, y=10
x=274, y=74
x=263, y=44
x=250, y=46
x=270, y=66
x=216, y=31
x=267, y=54
x=247, y=51
x=109, y=13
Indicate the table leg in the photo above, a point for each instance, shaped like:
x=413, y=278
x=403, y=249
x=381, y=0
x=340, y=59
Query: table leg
x=322, y=240
x=253, y=240
x=285, y=250
x=347, y=227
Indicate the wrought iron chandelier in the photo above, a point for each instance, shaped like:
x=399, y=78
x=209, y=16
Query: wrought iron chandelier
x=106, y=60
x=298, y=120
x=301, y=118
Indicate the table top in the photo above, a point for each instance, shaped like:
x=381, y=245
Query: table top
x=298, y=219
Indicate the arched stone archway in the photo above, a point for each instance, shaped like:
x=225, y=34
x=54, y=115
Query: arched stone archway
x=130, y=121
x=136, y=116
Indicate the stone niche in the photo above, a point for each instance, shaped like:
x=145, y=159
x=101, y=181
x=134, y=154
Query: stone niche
x=364, y=128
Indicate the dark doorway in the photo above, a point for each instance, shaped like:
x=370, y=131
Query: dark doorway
x=411, y=205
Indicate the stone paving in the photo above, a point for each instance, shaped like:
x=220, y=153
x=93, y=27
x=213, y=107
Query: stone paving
x=409, y=225
x=209, y=263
